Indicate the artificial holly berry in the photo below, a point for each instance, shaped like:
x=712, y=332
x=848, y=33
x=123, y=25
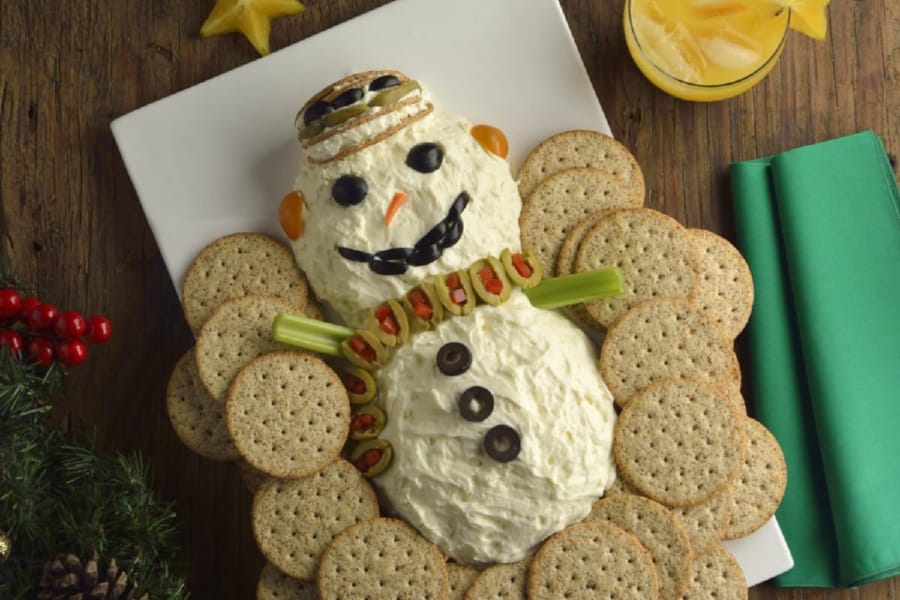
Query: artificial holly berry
x=72, y=352
x=41, y=317
x=41, y=350
x=10, y=303
x=28, y=305
x=99, y=329
x=70, y=325
x=12, y=340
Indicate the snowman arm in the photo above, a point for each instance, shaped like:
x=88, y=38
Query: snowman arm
x=566, y=290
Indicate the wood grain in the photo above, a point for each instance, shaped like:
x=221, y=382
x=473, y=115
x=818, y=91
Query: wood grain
x=70, y=219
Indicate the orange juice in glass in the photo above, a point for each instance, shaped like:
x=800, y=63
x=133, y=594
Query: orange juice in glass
x=704, y=50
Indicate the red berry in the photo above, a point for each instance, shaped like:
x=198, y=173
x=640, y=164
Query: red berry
x=10, y=303
x=41, y=317
x=99, y=329
x=72, y=352
x=12, y=340
x=28, y=305
x=41, y=350
x=70, y=325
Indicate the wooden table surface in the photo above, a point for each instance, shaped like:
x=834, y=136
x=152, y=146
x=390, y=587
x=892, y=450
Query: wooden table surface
x=72, y=223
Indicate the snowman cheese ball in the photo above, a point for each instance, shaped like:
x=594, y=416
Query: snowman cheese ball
x=499, y=424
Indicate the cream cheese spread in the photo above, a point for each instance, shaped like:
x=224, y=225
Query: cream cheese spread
x=490, y=221
x=542, y=373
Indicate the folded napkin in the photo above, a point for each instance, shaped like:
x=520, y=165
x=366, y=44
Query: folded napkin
x=820, y=228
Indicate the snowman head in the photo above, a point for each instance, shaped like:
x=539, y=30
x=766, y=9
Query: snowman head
x=390, y=191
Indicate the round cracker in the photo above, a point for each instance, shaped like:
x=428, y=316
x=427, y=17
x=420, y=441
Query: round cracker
x=665, y=339
x=725, y=286
x=236, y=333
x=238, y=265
x=196, y=417
x=562, y=200
x=295, y=521
x=678, y=442
x=658, y=529
x=275, y=585
x=382, y=558
x=716, y=574
x=288, y=414
x=461, y=578
x=651, y=249
x=760, y=483
x=706, y=522
x=565, y=260
x=592, y=560
x=252, y=477
x=581, y=148
x=501, y=582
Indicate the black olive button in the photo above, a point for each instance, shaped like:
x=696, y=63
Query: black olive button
x=425, y=158
x=454, y=359
x=349, y=190
x=502, y=443
x=476, y=403
x=316, y=112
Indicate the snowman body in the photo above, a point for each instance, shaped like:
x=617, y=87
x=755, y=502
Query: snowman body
x=539, y=367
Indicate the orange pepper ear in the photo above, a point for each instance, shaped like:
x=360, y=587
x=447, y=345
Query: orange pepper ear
x=290, y=214
x=491, y=139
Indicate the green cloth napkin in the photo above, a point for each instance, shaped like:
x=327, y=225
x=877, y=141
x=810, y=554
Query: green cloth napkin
x=820, y=228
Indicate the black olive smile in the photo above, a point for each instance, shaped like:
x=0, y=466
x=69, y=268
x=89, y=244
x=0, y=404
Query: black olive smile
x=395, y=261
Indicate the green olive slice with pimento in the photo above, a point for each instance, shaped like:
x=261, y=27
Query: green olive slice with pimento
x=523, y=268
x=455, y=292
x=423, y=307
x=389, y=322
x=372, y=457
x=489, y=281
x=367, y=422
x=364, y=350
x=360, y=385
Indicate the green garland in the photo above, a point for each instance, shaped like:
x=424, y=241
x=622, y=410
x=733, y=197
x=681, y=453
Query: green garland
x=57, y=495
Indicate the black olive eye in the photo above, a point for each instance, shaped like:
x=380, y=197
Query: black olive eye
x=425, y=158
x=454, y=359
x=349, y=190
x=502, y=443
x=476, y=403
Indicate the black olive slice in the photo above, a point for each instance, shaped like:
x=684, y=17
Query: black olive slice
x=458, y=206
x=388, y=267
x=348, y=190
x=425, y=255
x=393, y=253
x=476, y=403
x=317, y=111
x=425, y=157
x=354, y=255
x=454, y=358
x=502, y=443
x=347, y=98
x=385, y=81
x=453, y=234
x=435, y=235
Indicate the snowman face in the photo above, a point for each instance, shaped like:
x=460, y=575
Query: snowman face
x=427, y=199
x=512, y=445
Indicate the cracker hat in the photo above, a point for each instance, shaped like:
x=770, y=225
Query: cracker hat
x=357, y=112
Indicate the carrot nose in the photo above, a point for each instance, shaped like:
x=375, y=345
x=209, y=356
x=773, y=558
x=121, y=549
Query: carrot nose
x=396, y=202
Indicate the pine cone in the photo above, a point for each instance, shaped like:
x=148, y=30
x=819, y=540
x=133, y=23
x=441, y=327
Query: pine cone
x=65, y=578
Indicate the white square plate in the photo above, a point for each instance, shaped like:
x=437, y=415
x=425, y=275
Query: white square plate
x=218, y=157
